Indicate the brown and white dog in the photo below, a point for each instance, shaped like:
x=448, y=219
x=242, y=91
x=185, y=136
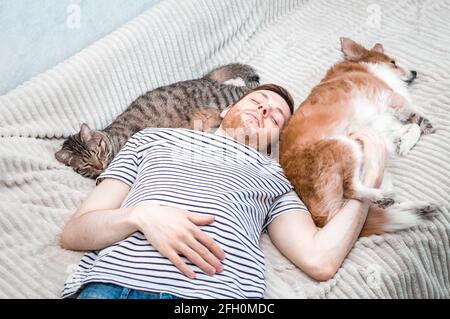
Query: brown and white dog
x=367, y=90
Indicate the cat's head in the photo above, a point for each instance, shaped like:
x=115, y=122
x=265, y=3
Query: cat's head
x=87, y=152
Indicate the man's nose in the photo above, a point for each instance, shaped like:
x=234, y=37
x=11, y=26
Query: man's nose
x=264, y=109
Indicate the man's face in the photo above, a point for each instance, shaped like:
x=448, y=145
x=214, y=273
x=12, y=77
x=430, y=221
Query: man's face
x=260, y=113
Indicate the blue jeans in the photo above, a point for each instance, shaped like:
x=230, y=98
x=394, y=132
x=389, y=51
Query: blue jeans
x=98, y=290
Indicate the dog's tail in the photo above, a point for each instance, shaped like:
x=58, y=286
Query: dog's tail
x=397, y=217
x=233, y=71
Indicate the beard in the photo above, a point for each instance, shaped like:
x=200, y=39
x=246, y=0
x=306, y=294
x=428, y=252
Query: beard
x=247, y=132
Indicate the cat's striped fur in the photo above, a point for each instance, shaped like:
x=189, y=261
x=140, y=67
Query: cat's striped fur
x=177, y=105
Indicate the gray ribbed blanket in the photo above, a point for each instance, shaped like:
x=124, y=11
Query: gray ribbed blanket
x=291, y=43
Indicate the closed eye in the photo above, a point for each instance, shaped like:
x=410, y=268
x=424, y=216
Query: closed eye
x=278, y=118
x=274, y=120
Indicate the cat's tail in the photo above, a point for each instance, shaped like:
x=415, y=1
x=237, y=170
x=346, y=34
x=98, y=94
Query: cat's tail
x=234, y=71
x=397, y=217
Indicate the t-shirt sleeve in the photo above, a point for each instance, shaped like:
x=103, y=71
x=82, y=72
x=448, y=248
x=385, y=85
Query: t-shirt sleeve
x=124, y=166
x=285, y=203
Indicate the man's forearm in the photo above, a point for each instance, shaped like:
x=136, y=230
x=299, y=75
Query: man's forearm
x=98, y=229
x=335, y=240
x=319, y=252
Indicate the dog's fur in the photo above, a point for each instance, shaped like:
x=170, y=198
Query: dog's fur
x=367, y=90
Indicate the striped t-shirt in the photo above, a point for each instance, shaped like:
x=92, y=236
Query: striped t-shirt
x=203, y=173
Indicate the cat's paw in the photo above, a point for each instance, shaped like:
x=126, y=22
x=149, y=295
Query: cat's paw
x=235, y=82
x=252, y=81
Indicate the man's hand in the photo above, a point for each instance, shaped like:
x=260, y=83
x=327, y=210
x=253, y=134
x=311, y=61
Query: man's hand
x=174, y=232
x=374, y=157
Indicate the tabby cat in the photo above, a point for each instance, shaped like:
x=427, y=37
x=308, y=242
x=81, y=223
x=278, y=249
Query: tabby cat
x=177, y=105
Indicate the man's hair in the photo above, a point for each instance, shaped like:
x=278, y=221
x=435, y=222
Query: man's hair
x=281, y=91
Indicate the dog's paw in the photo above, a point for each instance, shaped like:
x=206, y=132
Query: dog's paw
x=407, y=140
x=403, y=149
x=421, y=208
x=385, y=202
x=427, y=208
x=425, y=126
x=382, y=198
x=386, y=199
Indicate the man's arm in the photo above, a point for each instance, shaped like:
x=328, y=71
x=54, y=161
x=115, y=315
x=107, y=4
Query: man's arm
x=319, y=253
x=99, y=223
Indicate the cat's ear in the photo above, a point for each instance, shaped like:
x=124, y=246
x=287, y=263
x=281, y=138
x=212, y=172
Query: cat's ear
x=352, y=50
x=225, y=111
x=64, y=156
x=85, y=132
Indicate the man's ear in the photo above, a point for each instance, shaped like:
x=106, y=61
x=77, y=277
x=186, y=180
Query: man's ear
x=225, y=111
x=352, y=50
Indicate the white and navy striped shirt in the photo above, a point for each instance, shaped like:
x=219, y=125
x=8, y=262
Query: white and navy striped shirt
x=206, y=174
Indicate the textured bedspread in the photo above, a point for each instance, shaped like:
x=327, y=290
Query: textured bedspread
x=291, y=43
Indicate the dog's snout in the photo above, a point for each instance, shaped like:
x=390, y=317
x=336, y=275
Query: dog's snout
x=414, y=74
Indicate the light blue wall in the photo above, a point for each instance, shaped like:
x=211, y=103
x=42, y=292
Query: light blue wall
x=37, y=34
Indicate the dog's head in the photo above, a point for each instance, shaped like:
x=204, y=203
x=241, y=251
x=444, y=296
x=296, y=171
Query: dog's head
x=357, y=53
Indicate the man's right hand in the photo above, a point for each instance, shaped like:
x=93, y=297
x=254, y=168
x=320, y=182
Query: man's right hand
x=174, y=232
x=374, y=157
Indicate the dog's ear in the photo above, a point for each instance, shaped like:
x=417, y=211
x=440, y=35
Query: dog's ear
x=378, y=48
x=352, y=50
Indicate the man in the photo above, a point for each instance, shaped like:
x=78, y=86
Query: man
x=179, y=213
